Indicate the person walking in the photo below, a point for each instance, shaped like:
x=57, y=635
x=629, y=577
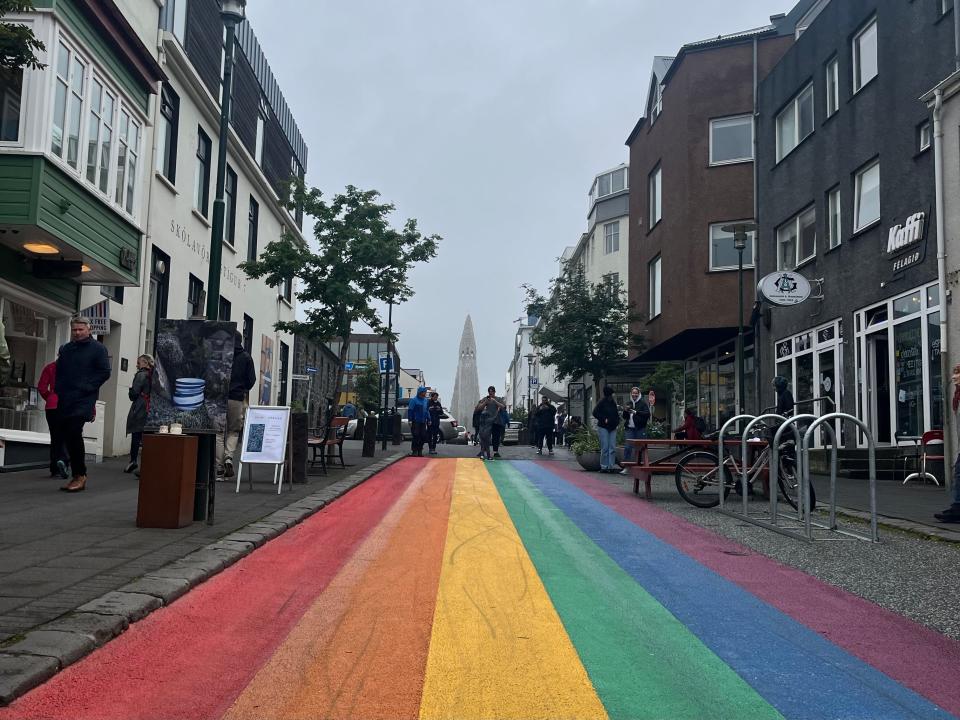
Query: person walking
x=607, y=416
x=58, y=451
x=499, y=428
x=82, y=367
x=475, y=421
x=561, y=425
x=139, y=394
x=785, y=402
x=418, y=413
x=544, y=421
x=243, y=377
x=952, y=513
x=435, y=409
x=636, y=414
x=488, y=407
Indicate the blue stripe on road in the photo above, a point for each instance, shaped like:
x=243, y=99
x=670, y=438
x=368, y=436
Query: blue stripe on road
x=796, y=670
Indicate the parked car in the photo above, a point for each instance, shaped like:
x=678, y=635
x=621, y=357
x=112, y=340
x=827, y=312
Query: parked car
x=511, y=434
x=448, y=425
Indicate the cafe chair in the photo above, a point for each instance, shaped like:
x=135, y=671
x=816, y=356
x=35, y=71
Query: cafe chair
x=931, y=442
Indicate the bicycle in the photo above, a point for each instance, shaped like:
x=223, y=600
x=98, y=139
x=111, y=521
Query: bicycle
x=697, y=475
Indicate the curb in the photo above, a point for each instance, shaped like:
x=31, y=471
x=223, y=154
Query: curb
x=933, y=532
x=32, y=659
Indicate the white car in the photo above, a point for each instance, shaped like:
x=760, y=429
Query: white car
x=447, y=424
x=511, y=434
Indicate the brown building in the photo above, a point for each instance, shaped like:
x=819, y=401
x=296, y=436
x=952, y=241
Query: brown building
x=692, y=172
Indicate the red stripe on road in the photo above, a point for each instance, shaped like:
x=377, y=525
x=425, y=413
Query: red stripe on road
x=191, y=660
x=919, y=658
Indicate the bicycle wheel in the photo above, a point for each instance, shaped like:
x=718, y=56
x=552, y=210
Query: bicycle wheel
x=698, y=479
x=789, y=483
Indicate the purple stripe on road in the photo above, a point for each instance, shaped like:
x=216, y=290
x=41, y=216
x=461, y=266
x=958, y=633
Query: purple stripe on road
x=917, y=657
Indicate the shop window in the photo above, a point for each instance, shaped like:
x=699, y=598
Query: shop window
x=795, y=122
x=908, y=375
x=654, y=276
x=833, y=218
x=253, y=229
x=906, y=305
x=867, y=196
x=167, y=131
x=201, y=185
x=933, y=296
x=655, y=182
x=195, y=297
x=11, y=92
x=833, y=86
x=731, y=140
x=230, y=207
x=723, y=254
x=611, y=237
x=865, y=66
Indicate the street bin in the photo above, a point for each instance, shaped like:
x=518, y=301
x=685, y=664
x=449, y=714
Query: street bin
x=168, y=474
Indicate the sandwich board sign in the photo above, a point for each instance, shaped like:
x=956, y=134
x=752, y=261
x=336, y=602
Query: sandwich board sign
x=266, y=437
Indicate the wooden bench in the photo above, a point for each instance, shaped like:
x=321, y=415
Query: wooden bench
x=333, y=436
x=644, y=469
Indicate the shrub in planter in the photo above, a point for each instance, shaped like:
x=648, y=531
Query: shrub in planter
x=586, y=446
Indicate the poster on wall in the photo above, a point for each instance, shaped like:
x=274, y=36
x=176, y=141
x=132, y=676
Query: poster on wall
x=191, y=379
x=266, y=369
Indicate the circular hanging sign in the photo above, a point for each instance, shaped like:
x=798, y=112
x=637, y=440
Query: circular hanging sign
x=784, y=288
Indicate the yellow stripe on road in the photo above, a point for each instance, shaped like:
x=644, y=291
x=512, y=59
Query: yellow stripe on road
x=498, y=648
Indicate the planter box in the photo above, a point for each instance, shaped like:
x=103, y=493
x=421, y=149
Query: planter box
x=589, y=461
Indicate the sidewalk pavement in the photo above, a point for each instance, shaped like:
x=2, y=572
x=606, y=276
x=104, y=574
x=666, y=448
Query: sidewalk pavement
x=59, y=551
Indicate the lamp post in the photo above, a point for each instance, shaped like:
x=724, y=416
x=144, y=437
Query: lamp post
x=386, y=381
x=232, y=12
x=530, y=396
x=740, y=232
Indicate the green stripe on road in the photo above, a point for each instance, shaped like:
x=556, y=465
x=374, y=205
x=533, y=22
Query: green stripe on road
x=643, y=662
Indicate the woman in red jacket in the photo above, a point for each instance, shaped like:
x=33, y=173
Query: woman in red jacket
x=688, y=430
x=59, y=467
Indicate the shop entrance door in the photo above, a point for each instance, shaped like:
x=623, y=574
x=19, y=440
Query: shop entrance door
x=878, y=386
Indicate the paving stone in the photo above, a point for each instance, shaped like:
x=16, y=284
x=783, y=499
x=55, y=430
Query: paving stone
x=132, y=606
x=245, y=548
x=166, y=589
x=21, y=673
x=98, y=628
x=255, y=539
x=66, y=647
x=192, y=574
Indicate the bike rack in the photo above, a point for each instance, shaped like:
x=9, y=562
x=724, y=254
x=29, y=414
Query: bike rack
x=872, y=465
x=804, y=511
x=743, y=456
x=720, y=468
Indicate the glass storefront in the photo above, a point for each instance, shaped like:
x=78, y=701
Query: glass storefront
x=899, y=391
x=710, y=383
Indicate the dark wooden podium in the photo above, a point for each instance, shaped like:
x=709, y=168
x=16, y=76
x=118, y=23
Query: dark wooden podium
x=168, y=473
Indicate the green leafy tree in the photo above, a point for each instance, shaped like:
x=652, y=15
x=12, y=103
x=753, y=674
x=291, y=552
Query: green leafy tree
x=359, y=262
x=369, y=387
x=519, y=414
x=585, y=327
x=18, y=45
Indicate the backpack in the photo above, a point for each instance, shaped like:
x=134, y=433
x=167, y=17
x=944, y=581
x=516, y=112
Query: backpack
x=700, y=424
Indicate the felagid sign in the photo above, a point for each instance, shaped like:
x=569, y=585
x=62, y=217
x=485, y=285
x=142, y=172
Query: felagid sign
x=906, y=243
x=784, y=288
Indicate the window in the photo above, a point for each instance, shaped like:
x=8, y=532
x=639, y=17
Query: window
x=833, y=87
x=223, y=310
x=100, y=135
x=68, y=105
x=613, y=281
x=253, y=229
x=731, y=140
x=723, y=254
x=654, y=273
x=230, y=207
x=114, y=292
x=194, y=297
x=287, y=289
x=795, y=122
x=201, y=185
x=655, y=182
x=657, y=104
x=611, y=238
x=924, y=135
x=167, y=133
x=797, y=240
x=173, y=18
x=11, y=90
x=128, y=151
x=833, y=218
x=261, y=124
x=247, y=333
x=867, y=196
x=865, y=56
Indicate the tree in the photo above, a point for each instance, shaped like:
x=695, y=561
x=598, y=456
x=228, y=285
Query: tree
x=18, y=44
x=667, y=381
x=360, y=261
x=519, y=414
x=585, y=327
x=369, y=387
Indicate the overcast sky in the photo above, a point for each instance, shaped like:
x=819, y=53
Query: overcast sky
x=486, y=121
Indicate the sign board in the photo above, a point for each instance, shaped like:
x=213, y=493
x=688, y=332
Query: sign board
x=99, y=315
x=348, y=366
x=386, y=363
x=310, y=370
x=534, y=381
x=784, y=288
x=265, y=430
x=906, y=244
x=298, y=376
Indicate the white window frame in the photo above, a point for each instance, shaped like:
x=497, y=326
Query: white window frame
x=794, y=222
x=858, y=82
x=858, y=181
x=656, y=107
x=751, y=243
x=655, y=195
x=611, y=237
x=794, y=107
x=655, y=281
x=832, y=86
x=729, y=120
x=261, y=129
x=924, y=135
x=834, y=222
x=26, y=76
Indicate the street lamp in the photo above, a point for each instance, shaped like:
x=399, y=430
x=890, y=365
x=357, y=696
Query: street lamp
x=232, y=12
x=530, y=405
x=740, y=232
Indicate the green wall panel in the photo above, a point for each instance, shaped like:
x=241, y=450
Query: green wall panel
x=18, y=187
x=13, y=267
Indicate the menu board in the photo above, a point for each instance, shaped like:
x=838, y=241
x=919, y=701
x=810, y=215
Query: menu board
x=265, y=434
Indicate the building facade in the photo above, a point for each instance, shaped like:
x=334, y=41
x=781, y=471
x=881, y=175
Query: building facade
x=692, y=175
x=847, y=199
x=365, y=349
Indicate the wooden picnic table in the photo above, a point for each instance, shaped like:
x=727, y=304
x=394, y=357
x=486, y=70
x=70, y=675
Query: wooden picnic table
x=644, y=469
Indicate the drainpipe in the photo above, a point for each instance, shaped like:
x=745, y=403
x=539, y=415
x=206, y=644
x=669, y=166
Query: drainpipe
x=756, y=233
x=945, y=373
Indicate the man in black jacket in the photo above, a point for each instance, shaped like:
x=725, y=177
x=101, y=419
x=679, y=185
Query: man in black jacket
x=544, y=421
x=242, y=379
x=82, y=367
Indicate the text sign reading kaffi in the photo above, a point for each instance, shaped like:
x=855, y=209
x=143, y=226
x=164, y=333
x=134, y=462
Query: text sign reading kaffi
x=906, y=244
x=784, y=288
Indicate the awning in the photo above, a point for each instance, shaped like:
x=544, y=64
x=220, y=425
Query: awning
x=554, y=397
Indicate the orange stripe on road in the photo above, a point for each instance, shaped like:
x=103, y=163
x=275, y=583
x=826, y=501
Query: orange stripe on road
x=361, y=649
